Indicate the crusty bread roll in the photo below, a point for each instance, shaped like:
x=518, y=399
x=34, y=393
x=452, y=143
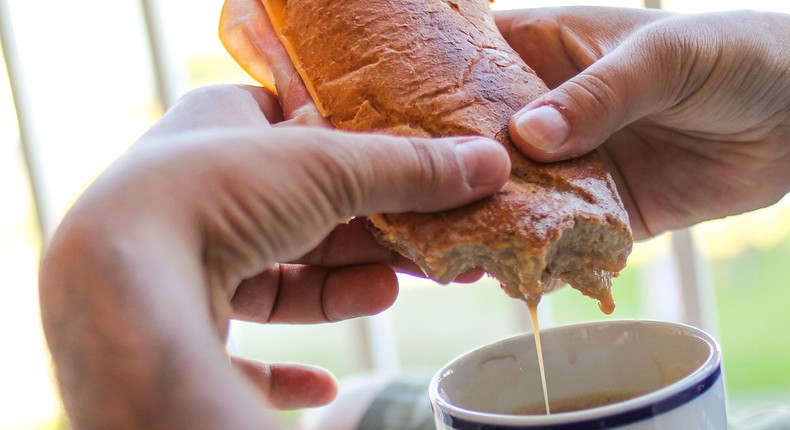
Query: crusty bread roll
x=441, y=68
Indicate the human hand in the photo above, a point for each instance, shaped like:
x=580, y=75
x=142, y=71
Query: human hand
x=216, y=214
x=691, y=112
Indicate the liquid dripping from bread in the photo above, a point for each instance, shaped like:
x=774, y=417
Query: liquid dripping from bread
x=533, y=316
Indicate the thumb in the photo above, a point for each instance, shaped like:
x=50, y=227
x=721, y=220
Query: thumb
x=629, y=83
x=371, y=173
x=303, y=179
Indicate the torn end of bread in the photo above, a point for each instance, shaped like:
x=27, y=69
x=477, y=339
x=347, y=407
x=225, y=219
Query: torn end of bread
x=524, y=236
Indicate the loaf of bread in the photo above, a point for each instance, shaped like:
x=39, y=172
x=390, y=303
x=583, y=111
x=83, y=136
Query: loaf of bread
x=441, y=68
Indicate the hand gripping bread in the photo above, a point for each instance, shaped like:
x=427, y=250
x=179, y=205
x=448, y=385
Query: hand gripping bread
x=441, y=68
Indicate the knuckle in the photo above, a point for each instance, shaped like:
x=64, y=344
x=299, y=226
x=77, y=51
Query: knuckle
x=680, y=56
x=428, y=160
x=594, y=105
x=593, y=92
x=338, y=176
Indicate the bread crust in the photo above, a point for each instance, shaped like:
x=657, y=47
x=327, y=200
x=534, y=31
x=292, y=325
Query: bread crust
x=441, y=68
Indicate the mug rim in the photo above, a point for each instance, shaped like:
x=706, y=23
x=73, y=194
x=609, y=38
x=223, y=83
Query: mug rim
x=650, y=404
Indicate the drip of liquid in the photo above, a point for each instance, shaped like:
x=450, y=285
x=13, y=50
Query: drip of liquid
x=533, y=316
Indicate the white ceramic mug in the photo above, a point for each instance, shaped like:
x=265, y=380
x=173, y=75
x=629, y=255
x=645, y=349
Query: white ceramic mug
x=673, y=369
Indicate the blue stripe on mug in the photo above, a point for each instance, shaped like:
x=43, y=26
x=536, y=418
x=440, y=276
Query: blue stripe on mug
x=610, y=422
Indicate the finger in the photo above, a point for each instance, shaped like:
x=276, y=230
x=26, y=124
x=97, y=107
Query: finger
x=219, y=106
x=366, y=173
x=540, y=40
x=298, y=105
x=558, y=43
x=307, y=294
x=284, y=189
x=642, y=76
x=470, y=276
x=289, y=386
x=352, y=243
x=296, y=101
x=247, y=33
x=335, y=175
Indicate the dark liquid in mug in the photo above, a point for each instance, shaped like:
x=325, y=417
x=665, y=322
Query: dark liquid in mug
x=578, y=403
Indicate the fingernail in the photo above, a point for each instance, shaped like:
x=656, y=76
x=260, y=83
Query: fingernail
x=544, y=128
x=485, y=161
